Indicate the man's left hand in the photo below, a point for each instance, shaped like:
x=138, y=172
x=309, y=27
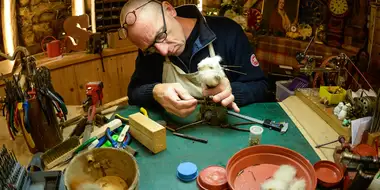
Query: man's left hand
x=223, y=93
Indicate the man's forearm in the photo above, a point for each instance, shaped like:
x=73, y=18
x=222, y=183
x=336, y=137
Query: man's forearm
x=249, y=92
x=142, y=95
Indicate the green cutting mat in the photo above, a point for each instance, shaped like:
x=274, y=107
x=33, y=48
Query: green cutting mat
x=159, y=171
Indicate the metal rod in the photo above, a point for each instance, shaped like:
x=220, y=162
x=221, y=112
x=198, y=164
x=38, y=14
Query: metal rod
x=191, y=124
x=235, y=71
x=190, y=137
x=308, y=46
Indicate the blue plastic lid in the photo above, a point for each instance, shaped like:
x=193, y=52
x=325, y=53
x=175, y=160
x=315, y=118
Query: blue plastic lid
x=187, y=171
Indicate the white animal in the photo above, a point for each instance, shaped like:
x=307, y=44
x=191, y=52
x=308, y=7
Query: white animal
x=343, y=113
x=338, y=108
x=210, y=71
x=284, y=179
x=285, y=173
x=298, y=184
x=272, y=184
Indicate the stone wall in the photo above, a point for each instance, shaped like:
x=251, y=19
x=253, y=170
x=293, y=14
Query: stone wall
x=40, y=18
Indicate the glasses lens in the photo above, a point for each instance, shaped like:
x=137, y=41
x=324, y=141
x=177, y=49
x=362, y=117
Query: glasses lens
x=130, y=18
x=122, y=33
x=161, y=37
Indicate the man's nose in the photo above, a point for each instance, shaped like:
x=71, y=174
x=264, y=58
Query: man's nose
x=162, y=48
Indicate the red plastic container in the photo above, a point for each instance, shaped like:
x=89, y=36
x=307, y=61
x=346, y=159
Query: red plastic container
x=328, y=173
x=213, y=178
x=261, y=162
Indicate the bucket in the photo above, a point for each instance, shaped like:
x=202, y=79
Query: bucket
x=100, y=163
x=260, y=162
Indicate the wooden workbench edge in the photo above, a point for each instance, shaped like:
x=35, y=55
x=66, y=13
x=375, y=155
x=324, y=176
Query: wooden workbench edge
x=80, y=57
x=304, y=132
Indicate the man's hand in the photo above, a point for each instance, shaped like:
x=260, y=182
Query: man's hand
x=223, y=93
x=175, y=99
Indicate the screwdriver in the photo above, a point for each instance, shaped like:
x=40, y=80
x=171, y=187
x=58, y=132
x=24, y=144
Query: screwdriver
x=340, y=139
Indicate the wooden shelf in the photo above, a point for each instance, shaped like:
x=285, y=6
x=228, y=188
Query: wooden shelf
x=110, y=1
x=114, y=26
x=108, y=9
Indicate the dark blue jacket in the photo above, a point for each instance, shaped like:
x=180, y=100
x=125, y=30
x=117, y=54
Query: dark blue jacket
x=229, y=41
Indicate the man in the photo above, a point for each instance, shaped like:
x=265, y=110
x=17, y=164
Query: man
x=171, y=42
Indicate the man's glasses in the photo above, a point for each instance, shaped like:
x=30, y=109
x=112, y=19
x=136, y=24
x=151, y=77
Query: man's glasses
x=130, y=19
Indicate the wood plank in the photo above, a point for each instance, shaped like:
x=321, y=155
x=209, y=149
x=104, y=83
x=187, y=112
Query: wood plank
x=126, y=67
x=148, y=132
x=85, y=73
x=80, y=57
x=310, y=123
x=64, y=82
x=110, y=79
x=306, y=95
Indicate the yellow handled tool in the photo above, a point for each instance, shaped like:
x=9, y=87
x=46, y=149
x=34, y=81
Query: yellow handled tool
x=126, y=120
x=144, y=112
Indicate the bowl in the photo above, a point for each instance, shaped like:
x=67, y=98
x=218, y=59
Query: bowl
x=92, y=166
x=328, y=173
x=213, y=178
x=251, y=166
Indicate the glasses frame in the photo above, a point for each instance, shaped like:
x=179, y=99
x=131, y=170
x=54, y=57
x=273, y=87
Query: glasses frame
x=160, y=37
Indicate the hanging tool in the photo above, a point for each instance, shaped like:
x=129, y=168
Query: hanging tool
x=280, y=127
x=94, y=92
x=340, y=139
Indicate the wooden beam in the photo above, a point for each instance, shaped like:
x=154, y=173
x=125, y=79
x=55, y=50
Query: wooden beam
x=9, y=25
x=78, y=7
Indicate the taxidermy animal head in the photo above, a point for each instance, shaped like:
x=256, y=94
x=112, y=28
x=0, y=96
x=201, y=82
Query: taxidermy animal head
x=210, y=71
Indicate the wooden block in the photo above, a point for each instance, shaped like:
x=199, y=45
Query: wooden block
x=148, y=132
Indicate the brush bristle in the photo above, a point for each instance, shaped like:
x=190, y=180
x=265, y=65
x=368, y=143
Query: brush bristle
x=285, y=173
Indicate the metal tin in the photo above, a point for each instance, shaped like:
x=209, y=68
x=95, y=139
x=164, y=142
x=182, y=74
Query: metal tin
x=213, y=178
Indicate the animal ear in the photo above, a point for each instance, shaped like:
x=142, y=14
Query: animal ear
x=218, y=58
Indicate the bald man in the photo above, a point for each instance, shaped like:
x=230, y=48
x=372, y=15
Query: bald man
x=172, y=41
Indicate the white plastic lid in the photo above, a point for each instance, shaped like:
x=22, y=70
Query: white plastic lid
x=257, y=130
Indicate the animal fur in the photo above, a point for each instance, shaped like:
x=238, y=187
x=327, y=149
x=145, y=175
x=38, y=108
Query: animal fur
x=284, y=179
x=298, y=184
x=272, y=184
x=210, y=71
x=285, y=173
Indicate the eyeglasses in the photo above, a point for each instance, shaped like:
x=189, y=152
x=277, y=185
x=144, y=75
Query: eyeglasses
x=130, y=19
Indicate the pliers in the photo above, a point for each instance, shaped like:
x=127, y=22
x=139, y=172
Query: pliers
x=122, y=142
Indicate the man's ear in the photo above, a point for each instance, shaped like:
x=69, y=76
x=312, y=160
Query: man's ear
x=169, y=8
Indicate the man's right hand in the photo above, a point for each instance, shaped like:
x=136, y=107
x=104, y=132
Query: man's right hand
x=175, y=99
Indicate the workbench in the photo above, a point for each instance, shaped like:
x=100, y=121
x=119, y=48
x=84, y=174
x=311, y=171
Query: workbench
x=159, y=170
x=306, y=130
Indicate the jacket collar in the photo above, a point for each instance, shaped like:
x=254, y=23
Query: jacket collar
x=206, y=35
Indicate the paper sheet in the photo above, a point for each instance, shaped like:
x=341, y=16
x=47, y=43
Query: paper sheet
x=358, y=127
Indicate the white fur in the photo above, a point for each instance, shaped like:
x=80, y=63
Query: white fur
x=210, y=71
x=284, y=179
x=272, y=184
x=285, y=173
x=343, y=113
x=298, y=184
x=338, y=108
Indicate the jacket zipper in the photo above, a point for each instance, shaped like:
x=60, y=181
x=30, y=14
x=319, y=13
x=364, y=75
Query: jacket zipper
x=201, y=49
x=188, y=69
